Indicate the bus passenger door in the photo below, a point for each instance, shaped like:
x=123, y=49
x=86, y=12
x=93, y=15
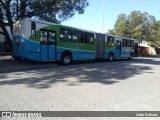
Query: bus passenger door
x=48, y=45
x=118, y=49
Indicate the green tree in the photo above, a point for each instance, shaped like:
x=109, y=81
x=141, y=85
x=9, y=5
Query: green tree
x=121, y=25
x=111, y=31
x=136, y=25
x=155, y=34
x=49, y=10
x=139, y=24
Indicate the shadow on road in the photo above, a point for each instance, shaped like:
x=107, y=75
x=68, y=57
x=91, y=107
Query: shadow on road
x=105, y=73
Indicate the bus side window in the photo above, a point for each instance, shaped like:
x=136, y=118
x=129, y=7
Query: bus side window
x=41, y=36
x=44, y=37
x=118, y=44
x=89, y=38
x=132, y=44
x=110, y=40
x=33, y=30
x=65, y=35
x=52, y=37
x=106, y=39
x=124, y=42
x=128, y=43
x=78, y=36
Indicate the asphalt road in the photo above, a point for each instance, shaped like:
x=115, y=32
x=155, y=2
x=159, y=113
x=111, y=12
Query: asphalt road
x=123, y=85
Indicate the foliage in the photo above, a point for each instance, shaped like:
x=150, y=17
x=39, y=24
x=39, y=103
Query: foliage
x=121, y=25
x=155, y=34
x=138, y=25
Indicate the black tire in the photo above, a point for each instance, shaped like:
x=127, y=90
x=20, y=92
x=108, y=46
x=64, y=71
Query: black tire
x=131, y=56
x=111, y=57
x=66, y=59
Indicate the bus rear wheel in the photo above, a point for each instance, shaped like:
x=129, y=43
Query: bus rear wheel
x=111, y=57
x=66, y=59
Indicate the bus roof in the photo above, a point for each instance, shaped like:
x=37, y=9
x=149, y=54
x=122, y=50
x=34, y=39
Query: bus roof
x=50, y=23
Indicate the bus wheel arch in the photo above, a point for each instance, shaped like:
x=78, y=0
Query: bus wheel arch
x=66, y=57
x=111, y=56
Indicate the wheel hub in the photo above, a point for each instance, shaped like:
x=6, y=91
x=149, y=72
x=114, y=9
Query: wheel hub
x=67, y=59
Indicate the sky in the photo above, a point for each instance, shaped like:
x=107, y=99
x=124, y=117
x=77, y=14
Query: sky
x=101, y=15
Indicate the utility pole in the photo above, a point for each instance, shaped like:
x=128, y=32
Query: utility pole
x=103, y=15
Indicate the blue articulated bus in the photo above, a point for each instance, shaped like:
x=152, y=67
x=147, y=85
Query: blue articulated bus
x=44, y=41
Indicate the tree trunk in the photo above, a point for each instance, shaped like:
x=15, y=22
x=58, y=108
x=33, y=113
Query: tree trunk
x=8, y=42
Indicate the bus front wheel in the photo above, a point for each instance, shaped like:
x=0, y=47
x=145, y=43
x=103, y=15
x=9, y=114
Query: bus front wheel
x=66, y=59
